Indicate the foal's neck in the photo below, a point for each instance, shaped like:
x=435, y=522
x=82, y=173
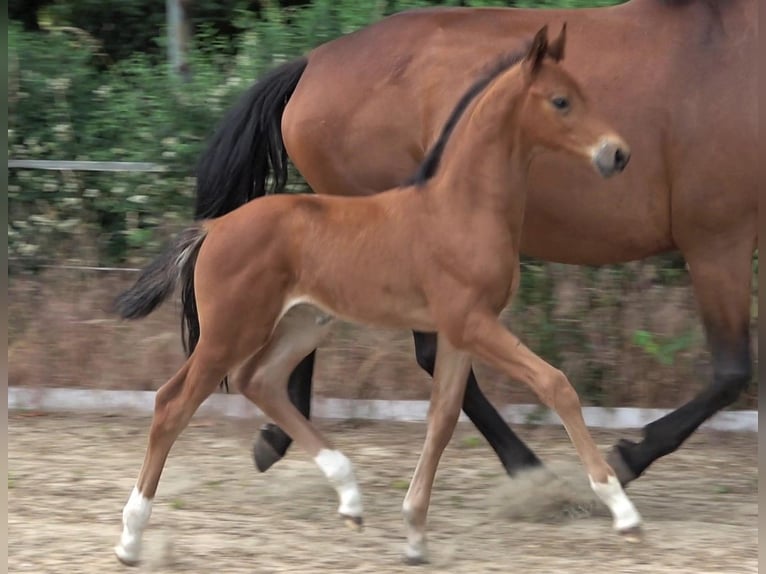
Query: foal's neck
x=485, y=163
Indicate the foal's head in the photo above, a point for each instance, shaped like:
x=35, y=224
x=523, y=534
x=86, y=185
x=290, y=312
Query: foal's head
x=557, y=115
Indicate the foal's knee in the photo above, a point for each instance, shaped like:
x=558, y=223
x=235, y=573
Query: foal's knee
x=260, y=387
x=557, y=393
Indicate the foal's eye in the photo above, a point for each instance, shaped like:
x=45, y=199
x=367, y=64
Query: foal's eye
x=560, y=103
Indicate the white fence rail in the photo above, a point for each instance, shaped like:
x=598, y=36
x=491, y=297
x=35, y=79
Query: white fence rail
x=142, y=402
x=66, y=165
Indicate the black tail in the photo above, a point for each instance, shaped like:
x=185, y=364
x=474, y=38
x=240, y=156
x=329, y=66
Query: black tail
x=247, y=146
x=158, y=280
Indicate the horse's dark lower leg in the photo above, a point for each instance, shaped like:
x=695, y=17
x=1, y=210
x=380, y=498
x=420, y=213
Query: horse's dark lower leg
x=513, y=453
x=732, y=371
x=272, y=442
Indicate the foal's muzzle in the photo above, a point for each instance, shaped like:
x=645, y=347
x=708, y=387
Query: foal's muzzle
x=611, y=157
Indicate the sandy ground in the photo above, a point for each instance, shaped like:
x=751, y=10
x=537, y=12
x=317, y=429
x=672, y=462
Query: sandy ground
x=70, y=475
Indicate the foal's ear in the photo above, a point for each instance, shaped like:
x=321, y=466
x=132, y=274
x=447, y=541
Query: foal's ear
x=556, y=48
x=537, y=50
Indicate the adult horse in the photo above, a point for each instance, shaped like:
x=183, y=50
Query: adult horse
x=356, y=116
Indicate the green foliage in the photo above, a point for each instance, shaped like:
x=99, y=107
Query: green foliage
x=663, y=349
x=95, y=86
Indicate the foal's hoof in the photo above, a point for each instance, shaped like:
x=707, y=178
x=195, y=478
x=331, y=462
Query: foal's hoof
x=355, y=523
x=413, y=557
x=634, y=534
x=125, y=557
x=616, y=460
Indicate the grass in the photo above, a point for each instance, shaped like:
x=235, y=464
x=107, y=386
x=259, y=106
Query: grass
x=400, y=484
x=177, y=504
x=470, y=442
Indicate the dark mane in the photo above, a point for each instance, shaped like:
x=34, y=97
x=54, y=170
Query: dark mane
x=430, y=164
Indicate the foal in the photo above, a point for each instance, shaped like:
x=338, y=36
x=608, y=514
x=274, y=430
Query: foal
x=262, y=284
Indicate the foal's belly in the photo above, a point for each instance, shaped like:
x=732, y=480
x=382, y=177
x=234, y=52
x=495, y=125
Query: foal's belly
x=375, y=308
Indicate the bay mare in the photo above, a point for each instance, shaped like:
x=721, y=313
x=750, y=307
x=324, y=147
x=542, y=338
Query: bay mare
x=261, y=284
x=357, y=114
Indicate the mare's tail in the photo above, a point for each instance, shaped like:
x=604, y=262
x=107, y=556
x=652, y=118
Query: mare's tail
x=247, y=146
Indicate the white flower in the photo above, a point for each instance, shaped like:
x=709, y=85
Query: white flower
x=103, y=91
x=59, y=84
x=27, y=249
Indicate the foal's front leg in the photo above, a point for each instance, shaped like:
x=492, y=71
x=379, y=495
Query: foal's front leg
x=514, y=454
x=485, y=337
x=450, y=377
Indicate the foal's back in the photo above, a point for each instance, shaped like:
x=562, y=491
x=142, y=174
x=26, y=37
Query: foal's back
x=353, y=257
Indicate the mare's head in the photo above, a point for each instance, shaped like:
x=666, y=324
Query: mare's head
x=557, y=115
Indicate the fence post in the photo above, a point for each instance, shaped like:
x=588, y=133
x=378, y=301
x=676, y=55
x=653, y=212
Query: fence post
x=178, y=38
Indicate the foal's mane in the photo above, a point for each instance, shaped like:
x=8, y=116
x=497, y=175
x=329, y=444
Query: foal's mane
x=430, y=164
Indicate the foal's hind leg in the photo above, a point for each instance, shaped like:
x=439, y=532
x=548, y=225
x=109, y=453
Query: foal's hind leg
x=450, y=375
x=483, y=335
x=263, y=380
x=175, y=403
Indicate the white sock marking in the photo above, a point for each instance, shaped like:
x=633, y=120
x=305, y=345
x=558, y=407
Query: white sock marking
x=611, y=493
x=135, y=516
x=339, y=471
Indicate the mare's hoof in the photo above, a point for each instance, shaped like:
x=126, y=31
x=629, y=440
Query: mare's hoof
x=355, y=523
x=615, y=459
x=634, y=534
x=264, y=454
x=124, y=557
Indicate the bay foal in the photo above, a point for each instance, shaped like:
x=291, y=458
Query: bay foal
x=262, y=284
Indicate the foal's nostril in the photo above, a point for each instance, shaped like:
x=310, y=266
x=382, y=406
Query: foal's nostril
x=621, y=159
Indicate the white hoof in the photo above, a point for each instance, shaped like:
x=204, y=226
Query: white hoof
x=626, y=517
x=340, y=472
x=135, y=516
x=415, y=554
x=126, y=555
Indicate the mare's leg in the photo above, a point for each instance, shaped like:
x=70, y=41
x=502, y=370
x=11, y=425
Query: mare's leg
x=175, y=403
x=450, y=374
x=722, y=283
x=514, y=454
x=272, y=442
x=484, y=336
x=263, y=380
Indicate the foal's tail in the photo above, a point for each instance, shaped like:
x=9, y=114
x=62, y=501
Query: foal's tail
x=159, y=279
x=247, y=146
